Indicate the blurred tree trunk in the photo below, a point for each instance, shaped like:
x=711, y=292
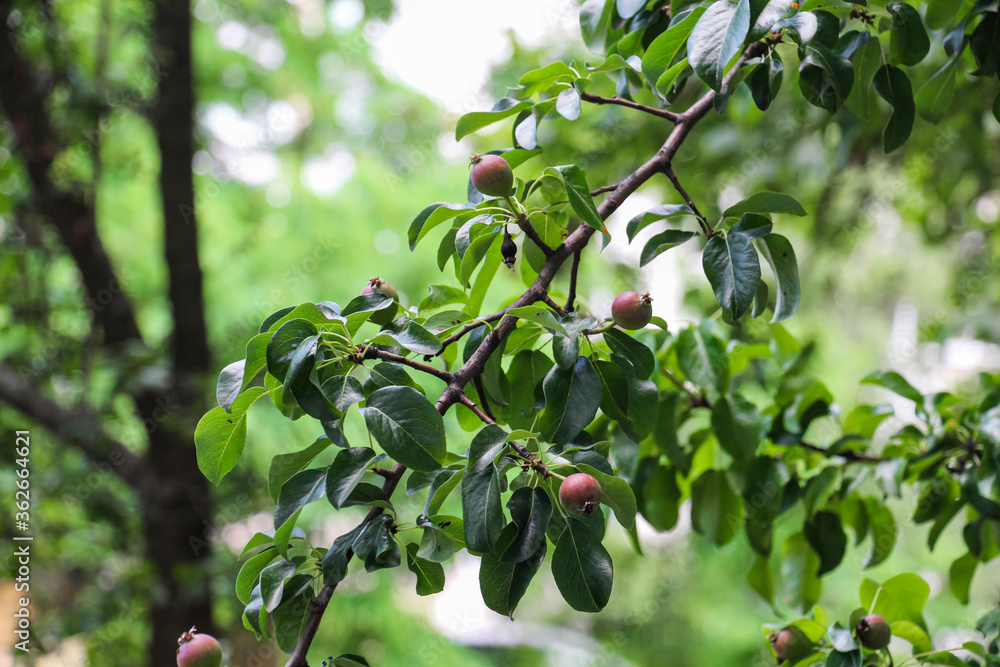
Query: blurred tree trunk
x=174, y=496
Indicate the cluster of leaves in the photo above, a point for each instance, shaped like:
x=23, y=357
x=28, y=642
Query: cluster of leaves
x=846, y=51
x=900, y=601
x=733, y=426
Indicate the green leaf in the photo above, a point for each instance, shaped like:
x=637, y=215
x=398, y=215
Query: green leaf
x=644, y=219
x=346, y=471
x=303, y=488
x=733, y=268
x=539, y=315
x=657, y=495
x=826, y=537
x=798, y=571
x=247, y=578
x=230, y=383
x=283, y=466
x=895, y=383
x=388, y=374
x=220, y=436
x=572, y=397
x=737, y=424
x=640, y=356
x=442, y=295
x=375, y=544
x=668, y=45
x=825, y=78
x=530, y=511
x=336, y=560
x=908, y=41
x=939, y=12
x=343, y=391
x=595, y=20
x=349, y=660
x=892, y=84
x=716, y=510
x=765, y=202
x=866, y=61
x=504, y=583
x=436, y=545
x=901, y=598
x=717, y=39
x=578, y=193
x=883, y=530
x=582, y=568
x=470, y=122
x=703, y=359
x=432, y=216
x=430, y=575
x=802, y=26
x=773, y=12
x=760, y=579
x=616, y=494
x=960, y=576
x=568, y=104
x=482, y=513
x=753, y=225
x=527, y=371
x=407, y=426
x=662, y=242
x=935, y=96
x=272, y=582
x=764, y=81
x=781, y=257
x=411, y=336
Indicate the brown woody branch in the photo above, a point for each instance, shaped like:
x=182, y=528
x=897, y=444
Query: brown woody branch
x=471, y=326
x=372, y=352
x=672, y=116
x=529, y=231
x=78, y=427
x=454, y=392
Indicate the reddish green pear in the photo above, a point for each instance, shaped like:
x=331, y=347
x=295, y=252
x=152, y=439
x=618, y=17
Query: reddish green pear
x=580, y=493
x=197, y=650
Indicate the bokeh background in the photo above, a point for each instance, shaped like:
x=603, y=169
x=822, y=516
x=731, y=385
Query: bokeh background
x=323, y=127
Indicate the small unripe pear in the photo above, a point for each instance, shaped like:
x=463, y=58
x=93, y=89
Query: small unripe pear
x=491, y=175
x=874, y=632
x=790, y=644
x=197, y=650
x=378, y=286
x=632, y=310
x=580, y=493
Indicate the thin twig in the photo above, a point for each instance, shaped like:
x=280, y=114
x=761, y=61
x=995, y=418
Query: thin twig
x=372, y=352
x=471, y=326
x=478, y=382
x=522, y=451
x=573, y=273
x=697, y=400
x=849, y=454
x=653, y=111
x=529, y=231
x=705, y=227
x=603, y=189
x=547, y=300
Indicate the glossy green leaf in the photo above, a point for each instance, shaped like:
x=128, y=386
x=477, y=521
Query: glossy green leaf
x=935, y=96
x=482, y=513
x=337, y=558
x=826, y=537
x=717, y=39
x=703, y=359
x=430, y=575
x=644, y=219
x=530, y=511
x=866, y=61
x=737, y=425
x=883, y=530
x=407, y=427
x=895, y=383
x=303, y=488
x=572, y=397
x=668, y=45
x=582, y=568
x=539, y=315
x=578, y=193
x=908, y=41
x=761, y=580
x=411, y=336
x=778, y=253
x=432, y=216
x=825, y=78
x=347, y=469
x=502, y=582
x=220, y=436
x=375, y=545
x=892, y=84
x=766, y=202
x=733, y=268
x=249, y=573
x=343, y=391
x=960, y=576
x=442, y=295
x=798, y=571
x=662, y=242
x=470, y=122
